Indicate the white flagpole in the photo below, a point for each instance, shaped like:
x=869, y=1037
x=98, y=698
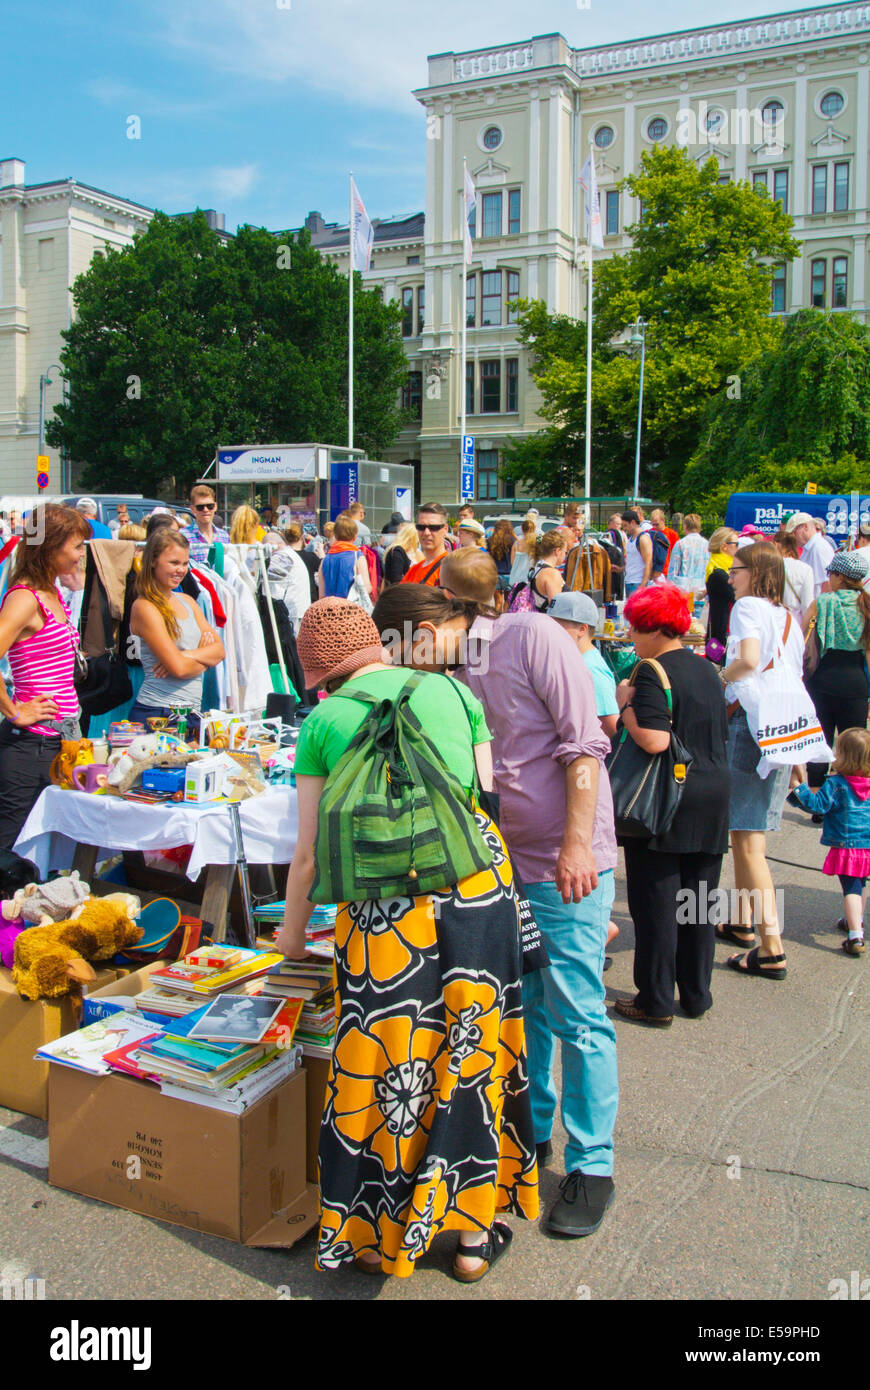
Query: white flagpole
x=463, y=317
x=588, y=475
x=350, y=320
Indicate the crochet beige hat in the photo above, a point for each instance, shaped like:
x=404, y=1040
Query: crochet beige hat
x=335, y=638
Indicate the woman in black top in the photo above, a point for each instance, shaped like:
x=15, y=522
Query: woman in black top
x=723, y=547
x=670, y=877
x=401, y=554
x=841, y=619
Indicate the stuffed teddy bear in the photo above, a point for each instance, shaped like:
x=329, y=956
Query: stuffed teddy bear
x=149, y=750
x=50, y=959
x=42, y=903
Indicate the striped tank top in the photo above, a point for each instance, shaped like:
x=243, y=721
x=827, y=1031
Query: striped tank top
x=43, y=664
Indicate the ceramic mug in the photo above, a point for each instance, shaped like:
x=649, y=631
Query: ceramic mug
x=91, y=778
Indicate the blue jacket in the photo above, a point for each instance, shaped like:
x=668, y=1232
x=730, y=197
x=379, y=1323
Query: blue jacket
x=847, y=817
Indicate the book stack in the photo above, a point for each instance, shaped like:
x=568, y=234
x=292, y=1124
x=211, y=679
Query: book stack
x=227, y=1054
x=309, y=981
x=319, y=934
x=178, y=989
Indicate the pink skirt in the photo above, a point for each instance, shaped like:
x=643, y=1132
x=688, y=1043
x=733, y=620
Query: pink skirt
x=855, y=863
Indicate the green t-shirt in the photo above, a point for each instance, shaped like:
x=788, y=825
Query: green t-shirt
x=327, y=732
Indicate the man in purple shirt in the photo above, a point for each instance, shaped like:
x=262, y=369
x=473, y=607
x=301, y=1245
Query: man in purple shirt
x=557, y=818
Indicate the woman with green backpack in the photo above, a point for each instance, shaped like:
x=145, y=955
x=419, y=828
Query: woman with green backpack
x=427, y=1125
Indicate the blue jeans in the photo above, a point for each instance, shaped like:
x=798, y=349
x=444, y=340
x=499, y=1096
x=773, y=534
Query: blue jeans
x=567, y=1002
x=630, y=588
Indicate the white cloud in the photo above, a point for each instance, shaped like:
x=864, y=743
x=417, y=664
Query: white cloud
x=234, y=182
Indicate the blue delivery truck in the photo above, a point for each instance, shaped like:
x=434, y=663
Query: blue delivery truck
x=766, y=510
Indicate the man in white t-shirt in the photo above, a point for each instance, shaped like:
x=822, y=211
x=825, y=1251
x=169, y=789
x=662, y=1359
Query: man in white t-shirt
x=817, y=551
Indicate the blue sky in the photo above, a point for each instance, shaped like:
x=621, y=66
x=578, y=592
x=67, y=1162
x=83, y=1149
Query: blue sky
x=259, y=108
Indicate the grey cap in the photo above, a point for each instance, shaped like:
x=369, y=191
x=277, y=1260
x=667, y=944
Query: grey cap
x=851, y=564
x=574, y=608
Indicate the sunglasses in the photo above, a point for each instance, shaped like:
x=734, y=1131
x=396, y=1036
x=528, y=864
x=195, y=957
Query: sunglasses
x=204, y=506
x=426, y=526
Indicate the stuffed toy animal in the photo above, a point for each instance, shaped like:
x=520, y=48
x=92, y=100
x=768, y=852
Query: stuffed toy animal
x=42, y=903
x=9, y=933
x=149, y=750
x=50, y=960
x=74, y=752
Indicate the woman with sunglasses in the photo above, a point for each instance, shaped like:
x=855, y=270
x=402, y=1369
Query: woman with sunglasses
x=762, y=633
x=432, y=531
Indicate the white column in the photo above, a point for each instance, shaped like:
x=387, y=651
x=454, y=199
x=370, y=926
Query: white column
x=532, y=278
x=447, y=300
x=448, y=194
x=799, y=207
x=534, y=189
x=554, y=161
x=861, y=152
x=629, y=204
x=741, y=98
x=859, y=264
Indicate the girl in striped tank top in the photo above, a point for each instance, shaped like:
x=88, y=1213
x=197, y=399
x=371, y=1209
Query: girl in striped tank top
x=36, y=635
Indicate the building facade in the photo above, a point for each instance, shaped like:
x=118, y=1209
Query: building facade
x=782, y=102
x=49, y=234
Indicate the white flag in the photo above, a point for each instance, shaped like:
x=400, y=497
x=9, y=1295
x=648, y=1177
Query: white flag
x=470, y=205
x=589, y=184
x=362, y=233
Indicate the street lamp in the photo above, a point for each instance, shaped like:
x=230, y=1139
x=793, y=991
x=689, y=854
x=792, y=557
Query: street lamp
x=45, y=380
x=638, y=339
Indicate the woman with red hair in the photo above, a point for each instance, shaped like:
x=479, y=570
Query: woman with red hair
x=670, y=876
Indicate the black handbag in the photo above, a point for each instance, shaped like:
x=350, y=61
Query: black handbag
x=647, y=787
x=102, y=682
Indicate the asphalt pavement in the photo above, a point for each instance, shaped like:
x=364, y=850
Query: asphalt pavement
x=742, y=1158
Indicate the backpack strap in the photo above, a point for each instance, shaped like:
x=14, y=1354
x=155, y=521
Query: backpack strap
x=431, y=570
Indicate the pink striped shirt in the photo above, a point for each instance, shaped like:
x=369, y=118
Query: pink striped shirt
x=43, y=664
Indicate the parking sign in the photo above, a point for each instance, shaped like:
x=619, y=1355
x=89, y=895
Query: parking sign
x=467, y=470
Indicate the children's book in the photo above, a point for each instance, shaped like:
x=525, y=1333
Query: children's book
x=85, y=1049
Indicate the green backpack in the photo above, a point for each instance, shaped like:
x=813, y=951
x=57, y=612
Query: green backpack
x=393, y=820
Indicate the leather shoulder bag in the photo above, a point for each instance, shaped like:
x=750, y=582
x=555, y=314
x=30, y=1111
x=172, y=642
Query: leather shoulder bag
x=647, y=787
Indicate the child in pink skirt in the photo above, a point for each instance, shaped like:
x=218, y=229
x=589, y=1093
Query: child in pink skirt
x=844, y=802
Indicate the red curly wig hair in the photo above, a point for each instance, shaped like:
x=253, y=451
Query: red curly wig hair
x=659, y=608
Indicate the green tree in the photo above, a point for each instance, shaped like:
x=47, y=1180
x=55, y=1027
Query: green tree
x=181, y=342
x=699, y=273
x=803, y=415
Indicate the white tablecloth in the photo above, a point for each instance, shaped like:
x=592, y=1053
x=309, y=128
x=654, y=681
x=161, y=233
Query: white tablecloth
x=62, y=819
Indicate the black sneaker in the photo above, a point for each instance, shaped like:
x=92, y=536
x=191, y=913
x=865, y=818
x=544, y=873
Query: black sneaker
x=581, y=1207
x=544, y=1153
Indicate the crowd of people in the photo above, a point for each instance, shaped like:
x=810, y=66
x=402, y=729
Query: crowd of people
x=481, y=648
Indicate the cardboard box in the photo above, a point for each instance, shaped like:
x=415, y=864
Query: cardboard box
x=241, y=1177
x=25, y=1026
x=317, y=1070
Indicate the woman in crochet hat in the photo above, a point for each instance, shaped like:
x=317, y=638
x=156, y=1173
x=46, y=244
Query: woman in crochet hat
x=841, y=619
x=427, y=1125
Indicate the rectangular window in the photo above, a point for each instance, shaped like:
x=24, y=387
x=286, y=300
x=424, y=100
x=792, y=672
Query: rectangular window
x=513, y=294
x=777, y=291
x=490, y=298
x=841, y=188
x=469, y=388
x=490, y=387
x=491, y=214
x=759, y=182
x=820, y=188
x=514, y=212
x=838, y=298
x=780, y=188
x=611, y=204
x=471, y=301
x=726, y=178
x=511, y=388
x=412, y=394
x=641, y=202
x=819, y=275
x=487, y=475
x=412, y=260
x=421, y=307
x=407, y=313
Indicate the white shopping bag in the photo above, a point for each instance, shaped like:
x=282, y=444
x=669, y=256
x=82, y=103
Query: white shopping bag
x=781, y=718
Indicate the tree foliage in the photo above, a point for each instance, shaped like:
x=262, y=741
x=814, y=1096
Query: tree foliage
x=803, y=414
x=699, y=273
x=181, y=342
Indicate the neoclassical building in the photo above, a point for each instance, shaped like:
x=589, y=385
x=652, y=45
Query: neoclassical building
x=780, y=101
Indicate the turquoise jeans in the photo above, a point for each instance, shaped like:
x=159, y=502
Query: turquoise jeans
x=566, y=1002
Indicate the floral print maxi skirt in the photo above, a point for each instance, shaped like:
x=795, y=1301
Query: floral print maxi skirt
x=427, y=1125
